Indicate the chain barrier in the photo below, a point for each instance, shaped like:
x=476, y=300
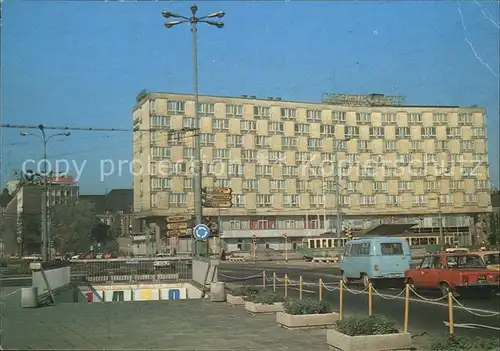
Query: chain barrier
x=485, y=315
x=425, y=298
x=241, y=278
x=388, y=297
x=354, y=292
x=331, y=287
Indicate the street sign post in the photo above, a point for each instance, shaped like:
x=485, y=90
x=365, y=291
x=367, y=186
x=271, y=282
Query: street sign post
x=177, y=225
x=201, y=232
x=285, y=236
x=217, y=197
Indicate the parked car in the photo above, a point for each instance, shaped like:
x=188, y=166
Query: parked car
x=453, y=272
x=491, y=259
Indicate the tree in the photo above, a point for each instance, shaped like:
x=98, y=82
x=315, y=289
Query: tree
x=29, y=226
x=71, y=225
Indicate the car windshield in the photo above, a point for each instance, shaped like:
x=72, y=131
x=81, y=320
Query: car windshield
x=465, y=261
x=493, y=258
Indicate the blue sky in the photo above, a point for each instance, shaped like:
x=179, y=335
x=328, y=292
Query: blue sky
x=80, y=63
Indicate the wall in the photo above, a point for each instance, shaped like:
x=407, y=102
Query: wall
x=57, y=278
x=200, y=268
x=142, y=292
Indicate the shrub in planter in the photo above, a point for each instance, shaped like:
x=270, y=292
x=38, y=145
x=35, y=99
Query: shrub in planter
x=307, y=313
x=355, y=333
x=371, y=325
x=307, y=306
x=266, y=298
x=459, y=344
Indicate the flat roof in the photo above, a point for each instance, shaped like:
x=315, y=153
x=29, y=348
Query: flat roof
x=161, y=325
x=256, y=98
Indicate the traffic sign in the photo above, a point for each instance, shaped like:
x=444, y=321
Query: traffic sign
x=222, y=191
x=178, y=232
x=176, y=226
x=226, y=204
x=201, y=232
x=284, y=235
x=221, y=197
x=176, y=219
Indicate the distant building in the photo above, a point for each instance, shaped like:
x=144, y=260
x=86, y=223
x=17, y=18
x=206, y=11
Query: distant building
x=114, y=209
x=26, y=206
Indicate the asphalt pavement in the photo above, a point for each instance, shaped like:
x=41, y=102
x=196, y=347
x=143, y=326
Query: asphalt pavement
x=480, y=317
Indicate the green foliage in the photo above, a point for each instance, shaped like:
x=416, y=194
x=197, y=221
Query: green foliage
x=459, y=344
x=266, y=297
x=371, y=325
x=307, y=306
x=246, y=291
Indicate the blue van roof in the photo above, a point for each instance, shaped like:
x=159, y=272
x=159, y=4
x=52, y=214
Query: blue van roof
x=379, y=238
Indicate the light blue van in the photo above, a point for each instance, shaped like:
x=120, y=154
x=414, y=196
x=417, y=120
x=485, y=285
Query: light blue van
x=375, y=258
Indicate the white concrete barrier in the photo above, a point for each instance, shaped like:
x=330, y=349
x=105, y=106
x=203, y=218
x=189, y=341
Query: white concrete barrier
x=50, y=276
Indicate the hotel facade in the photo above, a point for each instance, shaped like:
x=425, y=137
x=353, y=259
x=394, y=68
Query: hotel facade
x=394, y=163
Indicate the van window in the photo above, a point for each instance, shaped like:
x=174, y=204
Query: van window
x=391, y=249
x=347, y=250
x=360, y=249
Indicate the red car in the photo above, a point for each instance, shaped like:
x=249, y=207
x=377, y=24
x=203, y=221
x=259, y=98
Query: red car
x=453, y=272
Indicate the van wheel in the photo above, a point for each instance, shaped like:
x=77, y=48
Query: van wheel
x=345, y=280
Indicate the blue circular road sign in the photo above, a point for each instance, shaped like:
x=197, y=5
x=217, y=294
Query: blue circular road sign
x=201, y=232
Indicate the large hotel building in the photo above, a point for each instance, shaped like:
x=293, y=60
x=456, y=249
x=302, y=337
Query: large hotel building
x=396, y=163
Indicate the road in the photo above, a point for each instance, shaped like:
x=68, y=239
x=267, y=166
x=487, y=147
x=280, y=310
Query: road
x=424, y=316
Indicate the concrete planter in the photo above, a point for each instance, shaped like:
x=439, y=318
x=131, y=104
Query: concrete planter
x=260, y=308
x=339, y=341
x=291, y=321
x=235, y=300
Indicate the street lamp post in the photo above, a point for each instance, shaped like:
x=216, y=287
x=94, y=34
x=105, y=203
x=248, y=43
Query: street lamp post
x=194, y=20
x=45, y=191
x=440, y=212
x=337, y=188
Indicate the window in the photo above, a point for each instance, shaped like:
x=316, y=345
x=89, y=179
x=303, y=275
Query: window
x=152, y=106
x=453, y=132
x=263, y=141
x=275, y=127
x=379, y=186
x=154, y=200
x=327, y=130
x=391, y=249
x=175, y=107
x=177, y=200
x=345, y=200
x=302, y=157
x=389, y=118
x=188, y=184
x=465, y=118
x=301, y=129
x=263, y=170
x=188, y=153
x=390, y=145
x=161, y=152
x=161, y=183
x=403, y=132
x=440, y=118
x=238, y=200
x=163, y=122
x=416, y=145
x=235, y=170
x=260, y=112
x=351, y=132
x=394, y=200
x=328, y=157
x=234, y=110
x=339, y=116
x=153, y=135
x=470, y=198
x=234, y=140
x=456, y=184
x=277, y=185
x=291, y=201
x=377, y=132
x=222, y=183
x=207, y=139
x=442, y=145
x=221, y=154
x=264, y=200
x=288, y=143
x=289, y=171
x=206, y=109
x=288, y=113
x=220, y=124
x=414, y=118
x=313, y=115
x=363, y=117
x=428, y=132
x=360, y=249
x=478, y=132
x=303, y=186
x=467, y=145
x=251, y=185
x=188, y=122
x=249, y=155
x=430, y=185
x=276, y=156
x=367, y=200
x=352, y=186
x=248, y=126
x=316, y=200
x=405, y=186
x=364, y=145
x=314, y=143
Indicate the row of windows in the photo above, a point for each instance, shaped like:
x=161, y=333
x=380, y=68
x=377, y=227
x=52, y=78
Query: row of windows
x=262, y=112
x=327, y=186
x=222, y=125
x=318, y=201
